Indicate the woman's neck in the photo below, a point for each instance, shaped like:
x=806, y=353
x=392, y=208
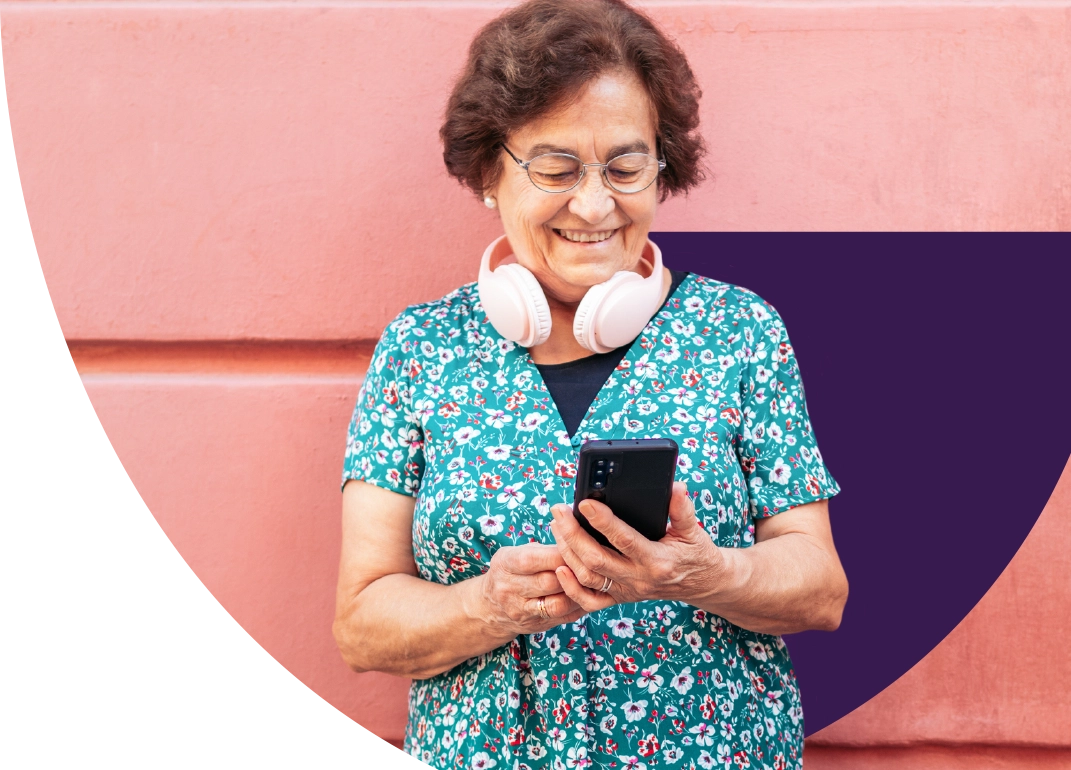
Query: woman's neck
x=562, y=347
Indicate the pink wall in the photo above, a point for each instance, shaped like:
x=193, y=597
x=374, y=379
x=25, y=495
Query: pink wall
x=224, y=195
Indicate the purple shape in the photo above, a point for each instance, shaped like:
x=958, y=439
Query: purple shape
x=937, y=378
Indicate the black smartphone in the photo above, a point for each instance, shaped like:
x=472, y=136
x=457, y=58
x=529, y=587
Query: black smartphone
x=633, y=477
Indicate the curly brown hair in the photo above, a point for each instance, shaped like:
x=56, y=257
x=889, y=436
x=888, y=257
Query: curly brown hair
x=537, y=56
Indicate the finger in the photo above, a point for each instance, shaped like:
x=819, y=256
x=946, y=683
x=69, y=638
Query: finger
x=540, y=584
x=588, y=552
x=530, y=559
x=558, y=605
x=682, y=511
x=626, y=539
x=587, y=577
x=590, y=600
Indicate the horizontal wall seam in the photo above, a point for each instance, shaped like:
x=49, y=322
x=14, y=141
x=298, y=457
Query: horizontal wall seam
x=213, y=379
x=296, y=358
x=1009, y=746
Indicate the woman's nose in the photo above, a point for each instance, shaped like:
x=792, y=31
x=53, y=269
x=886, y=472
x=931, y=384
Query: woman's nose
x=592, y=200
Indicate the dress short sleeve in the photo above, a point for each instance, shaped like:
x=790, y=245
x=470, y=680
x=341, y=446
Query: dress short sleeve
x=776, y=443
x=385, y=444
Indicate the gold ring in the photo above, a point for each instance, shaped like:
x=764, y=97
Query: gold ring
x=543, y=608
x=607, y=586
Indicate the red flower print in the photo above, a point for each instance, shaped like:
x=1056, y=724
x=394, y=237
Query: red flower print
x=515, y=401
x=708, y=707
x=450, y=409
x=691, y=378
x=784, y=350
x=564, y=469
x=490, y=481
x=731, y=416
x=625, y=665
x=648, y=746
x=516, y=735
x=561, y=713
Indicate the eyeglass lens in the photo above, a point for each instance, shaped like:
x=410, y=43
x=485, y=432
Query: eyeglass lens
x=625, y=173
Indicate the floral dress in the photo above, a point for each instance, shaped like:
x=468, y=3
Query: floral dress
x=458, y=417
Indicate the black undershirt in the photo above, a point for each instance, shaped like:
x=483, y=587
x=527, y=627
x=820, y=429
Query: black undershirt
x=574, y=384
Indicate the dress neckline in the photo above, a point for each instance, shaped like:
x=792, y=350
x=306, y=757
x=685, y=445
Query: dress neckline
x=631, y=355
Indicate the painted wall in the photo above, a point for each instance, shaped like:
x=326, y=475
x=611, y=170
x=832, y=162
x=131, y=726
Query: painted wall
x=224, y=196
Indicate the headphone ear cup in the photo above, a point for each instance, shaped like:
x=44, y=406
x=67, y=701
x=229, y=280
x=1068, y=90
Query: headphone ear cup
x=597, y=336
x=526, y=304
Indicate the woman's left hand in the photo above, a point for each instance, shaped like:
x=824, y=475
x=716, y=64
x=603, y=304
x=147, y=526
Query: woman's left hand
x=685, y=565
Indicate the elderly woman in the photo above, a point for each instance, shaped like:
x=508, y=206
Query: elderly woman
x=463, y=567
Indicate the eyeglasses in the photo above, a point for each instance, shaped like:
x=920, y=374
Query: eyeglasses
x=558, y=172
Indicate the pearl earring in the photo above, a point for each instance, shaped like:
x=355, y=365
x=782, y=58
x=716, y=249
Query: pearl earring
x=490, y=202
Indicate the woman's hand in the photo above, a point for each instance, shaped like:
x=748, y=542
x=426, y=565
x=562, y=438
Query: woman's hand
x=511, y=590
x=685, y=565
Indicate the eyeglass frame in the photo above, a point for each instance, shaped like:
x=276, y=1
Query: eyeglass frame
x=584, y=170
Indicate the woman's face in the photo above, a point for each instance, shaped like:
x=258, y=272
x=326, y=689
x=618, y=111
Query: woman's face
x=611, y=116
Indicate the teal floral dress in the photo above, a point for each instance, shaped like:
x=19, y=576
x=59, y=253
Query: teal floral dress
x=458, y=417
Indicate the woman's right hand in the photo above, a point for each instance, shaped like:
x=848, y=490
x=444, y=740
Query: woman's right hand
x=510, y=590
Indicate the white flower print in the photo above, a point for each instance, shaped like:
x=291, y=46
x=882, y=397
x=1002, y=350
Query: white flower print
x=622, y=628
x=693, y=640
x=683, y=396
x=491, y=524
x=531, y=421
x=556, y=736
x=682, y=682
x=511, y=496
x=497, y=418
x=542, y=683
x=466, y=434
x=650, y=679
x=780, y=473
x=634, y=710
x=498, y=453
x=704, y=734
x=773, y=701
x=577, y=757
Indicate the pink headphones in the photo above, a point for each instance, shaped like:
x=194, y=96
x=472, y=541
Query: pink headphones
x=612, y=313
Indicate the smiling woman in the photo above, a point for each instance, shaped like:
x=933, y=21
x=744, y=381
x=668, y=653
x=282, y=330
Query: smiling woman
x=535, y=646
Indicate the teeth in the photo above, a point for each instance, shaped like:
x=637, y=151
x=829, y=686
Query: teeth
x=578, y=236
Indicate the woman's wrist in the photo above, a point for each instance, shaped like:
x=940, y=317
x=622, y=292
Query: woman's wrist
x=725, y=575
x=478, y=608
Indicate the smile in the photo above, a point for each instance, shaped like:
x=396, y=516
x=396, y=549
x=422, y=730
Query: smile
x=582, y=236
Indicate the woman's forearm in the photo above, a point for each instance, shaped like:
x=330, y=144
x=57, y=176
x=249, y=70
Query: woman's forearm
x=406, y=626
x=778, y=586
